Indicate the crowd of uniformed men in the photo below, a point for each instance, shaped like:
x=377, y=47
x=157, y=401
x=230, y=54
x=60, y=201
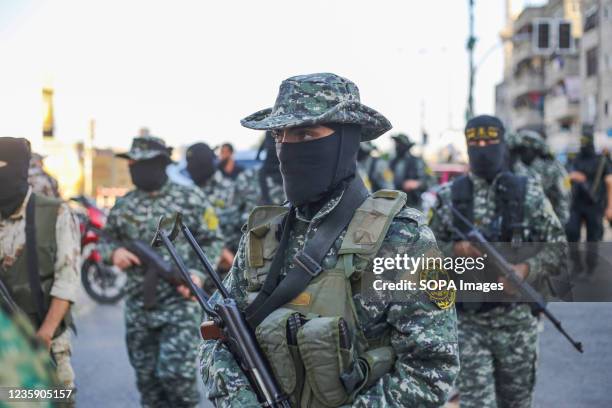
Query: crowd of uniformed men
x=255, y=223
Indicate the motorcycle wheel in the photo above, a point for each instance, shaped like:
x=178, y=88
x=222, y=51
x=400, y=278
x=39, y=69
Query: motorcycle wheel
x=104, y=284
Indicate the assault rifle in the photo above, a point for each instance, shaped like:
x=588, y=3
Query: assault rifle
x=228, y=322
x=13, y=308
x=155, y=266
x=534, y=298
x=6, y=298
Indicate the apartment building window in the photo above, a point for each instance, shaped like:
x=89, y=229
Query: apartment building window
x=590, y=20
x=591, y=62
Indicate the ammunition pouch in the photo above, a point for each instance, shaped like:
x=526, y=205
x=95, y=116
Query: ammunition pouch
x=316, y=360
x=315, y=347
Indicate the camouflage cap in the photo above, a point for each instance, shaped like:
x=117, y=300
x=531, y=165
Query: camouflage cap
x=533, y=140
x=316, y=99
x=38, y=156
x=367, y=146
x=146, y=147
x=513, y=140
x=403, y=139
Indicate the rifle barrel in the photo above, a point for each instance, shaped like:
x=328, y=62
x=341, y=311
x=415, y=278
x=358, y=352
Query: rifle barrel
x=475, y=235
x=197, y=292
x=204, y=260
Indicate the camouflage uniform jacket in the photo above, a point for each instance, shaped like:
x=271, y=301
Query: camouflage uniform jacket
x=218, y=191
x=247, y=193
x=135, y=217
x=540, y=219
x=375, y=173
x=25, y=362
x=423, y=336
x=41, y=182
x=555, y=182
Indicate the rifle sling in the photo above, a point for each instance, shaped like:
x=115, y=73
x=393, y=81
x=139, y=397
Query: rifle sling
x=32, y=259
x=307, y=262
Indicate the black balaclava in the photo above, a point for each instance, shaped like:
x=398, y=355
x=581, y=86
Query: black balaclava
x=150, y=174
x=528, y=155
x=486, y=161
x=362, y=154
x=401, y=148
x=587, y=142
x=14, y=163
x=200, y=163
x=312, y=171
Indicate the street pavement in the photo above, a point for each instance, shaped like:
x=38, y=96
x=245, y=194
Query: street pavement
x=565, y=378
x=104, y=377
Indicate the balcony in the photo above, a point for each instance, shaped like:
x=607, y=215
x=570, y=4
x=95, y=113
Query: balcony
x=560, y=108
x=525, y=84
x=560, y=68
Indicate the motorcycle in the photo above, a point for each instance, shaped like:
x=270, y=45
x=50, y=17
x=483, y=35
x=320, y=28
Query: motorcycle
x=103, y=283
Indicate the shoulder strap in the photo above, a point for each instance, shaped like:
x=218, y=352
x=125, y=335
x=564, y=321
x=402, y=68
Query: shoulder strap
x=371, y=222
x=463, y=200
x=307, y=262
x=511, y=194
x=32, y=258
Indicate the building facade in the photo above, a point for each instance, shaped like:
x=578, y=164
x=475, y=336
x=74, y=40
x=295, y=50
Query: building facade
x=541, y=86
x=596, y=68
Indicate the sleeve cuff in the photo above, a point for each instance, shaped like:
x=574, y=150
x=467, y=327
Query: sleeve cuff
x=64, y=291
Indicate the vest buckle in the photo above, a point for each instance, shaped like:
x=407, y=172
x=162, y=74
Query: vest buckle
x=307, y=263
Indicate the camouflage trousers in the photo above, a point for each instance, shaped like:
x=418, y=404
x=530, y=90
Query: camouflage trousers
x=498, y=353
x=162, y=347
x=61, y=350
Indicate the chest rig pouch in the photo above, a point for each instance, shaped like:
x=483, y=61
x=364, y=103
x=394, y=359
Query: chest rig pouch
x=317, y=350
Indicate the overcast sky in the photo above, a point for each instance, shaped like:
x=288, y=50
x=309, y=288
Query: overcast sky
x=190, y=70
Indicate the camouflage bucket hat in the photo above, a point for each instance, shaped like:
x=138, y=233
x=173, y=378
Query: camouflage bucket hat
x=146, y=147
x=316, y=99
x=403, y=138
x=513, y=140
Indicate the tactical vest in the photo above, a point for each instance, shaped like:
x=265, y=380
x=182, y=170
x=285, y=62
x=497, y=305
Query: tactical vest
x=508, y=227
x=318, y=352
x=16, y=277
x=510, y=194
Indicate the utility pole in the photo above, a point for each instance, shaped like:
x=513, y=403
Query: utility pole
x=88, y=159
x=471, y=42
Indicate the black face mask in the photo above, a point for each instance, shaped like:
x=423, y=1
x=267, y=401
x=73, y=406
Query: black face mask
x=149, y=175
x=200, y=163
x=362, y=154
x=14, y=164
x=528, y=156
x=401, y=149
x=313, y=170
x=587, y=150
x=487, y=161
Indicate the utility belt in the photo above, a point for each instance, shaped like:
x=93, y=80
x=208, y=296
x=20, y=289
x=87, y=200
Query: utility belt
x=316, y=359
